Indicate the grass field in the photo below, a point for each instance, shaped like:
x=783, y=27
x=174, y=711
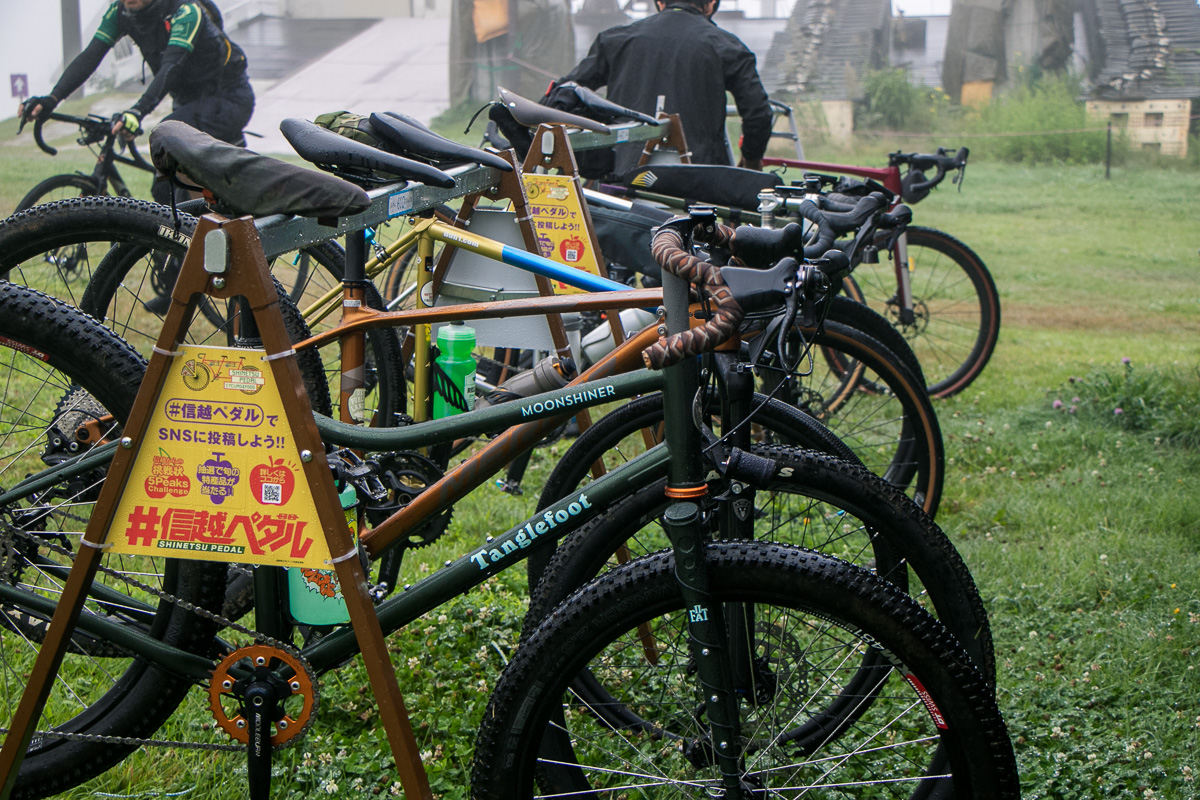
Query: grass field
x=1072, y=493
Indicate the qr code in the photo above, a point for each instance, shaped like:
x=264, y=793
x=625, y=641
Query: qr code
x=272, y=493
x=572, y=255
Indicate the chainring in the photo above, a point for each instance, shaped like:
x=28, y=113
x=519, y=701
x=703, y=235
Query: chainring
x=406, y=475
x=223, y=686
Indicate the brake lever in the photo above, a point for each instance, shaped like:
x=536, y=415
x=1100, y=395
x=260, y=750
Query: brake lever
x=799, y=305
x=811, y=283
x=758, y=345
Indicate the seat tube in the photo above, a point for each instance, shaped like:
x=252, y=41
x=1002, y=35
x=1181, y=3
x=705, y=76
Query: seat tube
x=707, y=634
x=421, y=398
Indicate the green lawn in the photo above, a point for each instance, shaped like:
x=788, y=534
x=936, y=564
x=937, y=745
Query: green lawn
x=1081, y=524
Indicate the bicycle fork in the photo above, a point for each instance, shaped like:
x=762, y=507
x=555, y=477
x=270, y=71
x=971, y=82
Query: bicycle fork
x=904, y=295
x=708, y=635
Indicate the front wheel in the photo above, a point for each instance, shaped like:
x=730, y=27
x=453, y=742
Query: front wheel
x=58, y=187
x=928, y=726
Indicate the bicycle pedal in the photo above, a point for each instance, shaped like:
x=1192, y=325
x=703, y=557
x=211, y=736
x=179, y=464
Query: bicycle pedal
x=509, y=487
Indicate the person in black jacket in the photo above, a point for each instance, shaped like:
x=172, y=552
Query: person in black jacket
x=682, y=56
x=192, y=60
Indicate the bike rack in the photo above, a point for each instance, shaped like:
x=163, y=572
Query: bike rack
x=242, y=272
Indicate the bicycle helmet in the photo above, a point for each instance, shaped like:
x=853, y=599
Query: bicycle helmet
x=147, y=13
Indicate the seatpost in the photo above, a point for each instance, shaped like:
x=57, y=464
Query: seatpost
x=708, y=636
x=352, y=396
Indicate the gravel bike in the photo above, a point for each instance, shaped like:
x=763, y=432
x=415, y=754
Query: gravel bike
x=64, y=270
x=938, y=292
x=96, y=133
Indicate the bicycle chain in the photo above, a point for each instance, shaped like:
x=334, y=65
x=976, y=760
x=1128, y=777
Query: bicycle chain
x=187, y=607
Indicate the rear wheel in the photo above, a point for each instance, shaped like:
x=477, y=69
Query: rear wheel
x=69, y=384
x=955, y=320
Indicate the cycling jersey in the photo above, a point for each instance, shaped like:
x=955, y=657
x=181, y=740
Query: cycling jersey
x=190, y=56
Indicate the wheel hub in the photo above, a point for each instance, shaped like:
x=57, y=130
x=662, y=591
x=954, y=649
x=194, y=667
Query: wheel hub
x=913, y=327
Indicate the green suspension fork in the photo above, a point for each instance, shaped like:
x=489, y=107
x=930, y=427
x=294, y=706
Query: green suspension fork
x=707, y=632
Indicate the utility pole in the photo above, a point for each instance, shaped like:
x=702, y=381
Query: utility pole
x=72, y=35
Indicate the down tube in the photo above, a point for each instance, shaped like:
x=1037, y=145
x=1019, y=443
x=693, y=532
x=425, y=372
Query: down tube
x=507, y=446
x=515, y=257
x=498, y=553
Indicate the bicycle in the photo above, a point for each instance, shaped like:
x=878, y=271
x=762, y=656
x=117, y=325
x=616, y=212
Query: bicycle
x=893, y=429
x=200, y=371
x=861, y=418
x=901, y=467
x=631, y=221
x=952, y=316
x=957, y=295
x=977, y=756
x=105, y=178
x=193, y=633
x=65, y=270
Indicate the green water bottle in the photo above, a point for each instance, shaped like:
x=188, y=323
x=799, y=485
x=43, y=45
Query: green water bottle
x=454, y=371
x=314, y=595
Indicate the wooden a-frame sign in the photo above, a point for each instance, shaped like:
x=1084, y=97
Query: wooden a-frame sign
x=244, y=272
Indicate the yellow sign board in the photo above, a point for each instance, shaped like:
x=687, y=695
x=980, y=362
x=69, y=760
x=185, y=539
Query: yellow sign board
x=560, y=225
x=218, y=477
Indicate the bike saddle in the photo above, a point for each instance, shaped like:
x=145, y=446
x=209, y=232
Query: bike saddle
x=330, y=151
x=404, y=134
x=531, y=114
x=249, y=183
x=576, y=99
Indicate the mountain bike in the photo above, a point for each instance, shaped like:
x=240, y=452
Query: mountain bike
x=734, y=597
x=91, y=642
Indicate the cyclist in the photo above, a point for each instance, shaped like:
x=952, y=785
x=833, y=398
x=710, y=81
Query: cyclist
x=192, y=60
x=682, y=56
